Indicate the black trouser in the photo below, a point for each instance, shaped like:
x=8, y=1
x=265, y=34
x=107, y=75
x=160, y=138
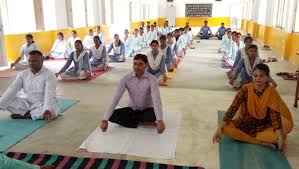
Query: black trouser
x=131, y=118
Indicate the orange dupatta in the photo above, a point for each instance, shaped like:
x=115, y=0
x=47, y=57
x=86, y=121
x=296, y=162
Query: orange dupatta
x=257, y=106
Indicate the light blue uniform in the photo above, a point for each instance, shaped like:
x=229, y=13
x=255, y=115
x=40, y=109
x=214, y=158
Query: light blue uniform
x=118, y=51
x=205, y=32
x=161, y=68
x=220, y=32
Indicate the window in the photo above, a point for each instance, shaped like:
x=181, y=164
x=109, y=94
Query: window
x=297, y=19
x=153, y=13
x=90, y=12
x=108, y=11
x=288, y=15
x=79, y=14
x=121, y=12
x=49, y=14
x=136, y=11
x=262, y=12
x=18, y=16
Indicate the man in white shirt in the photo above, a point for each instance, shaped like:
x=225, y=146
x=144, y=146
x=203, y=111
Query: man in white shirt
x=39, y=88
x=88, y=39
x=70, y=45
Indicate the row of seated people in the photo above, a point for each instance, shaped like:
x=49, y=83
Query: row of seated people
x=60, y=49
x=205, y=31
x=241, y=57
x=97, y=57
x=263, y=118
x=267, y=120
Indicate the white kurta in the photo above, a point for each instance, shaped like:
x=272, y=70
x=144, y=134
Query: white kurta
x=59, y=48
x=88, y=41
x=39, y=91
x=26, y=49
x=101, y=36
x=70, y=45
x=136, y=43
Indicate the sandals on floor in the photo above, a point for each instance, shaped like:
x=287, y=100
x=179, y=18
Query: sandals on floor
x=270, y=60
x=290, y=76
x=282, y=73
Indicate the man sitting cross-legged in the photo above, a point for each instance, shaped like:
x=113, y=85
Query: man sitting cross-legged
x=39, y=86
x=145, y=105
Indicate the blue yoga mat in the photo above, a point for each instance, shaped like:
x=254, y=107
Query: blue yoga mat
x=240, y=155
x=12, y=131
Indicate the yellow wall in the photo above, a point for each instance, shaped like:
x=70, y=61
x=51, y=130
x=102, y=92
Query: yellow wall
x=281, y=41
x=293, y=48
x=13, y=43
x=160, y=22
x=180, y=22
x=244, y=23
x=45, y=39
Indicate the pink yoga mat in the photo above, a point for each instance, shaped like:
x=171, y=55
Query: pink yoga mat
x=9, y=73
x=96, y=74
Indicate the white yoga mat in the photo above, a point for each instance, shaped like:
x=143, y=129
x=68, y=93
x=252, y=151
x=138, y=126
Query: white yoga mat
x=143, y=141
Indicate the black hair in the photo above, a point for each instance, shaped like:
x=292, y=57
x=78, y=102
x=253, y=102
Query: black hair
x=205, y=21
x=60, y=33
x=97, y=38
x=253, y=46
x=162, y=37
x=248, y=38
x=90, y=30
x=154, y=41
x=80, y=42
x=29, y=36
x=262, y=67
x=238, y=33
x=74, y=31
x=141, y=28
x=119, y=43
x=37, y=53
x=170, y=34
x=141, y=57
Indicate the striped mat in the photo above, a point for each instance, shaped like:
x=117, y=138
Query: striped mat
x=66, y=162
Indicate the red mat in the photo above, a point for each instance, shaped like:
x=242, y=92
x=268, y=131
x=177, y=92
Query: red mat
x=96, y=74
x=9, y=73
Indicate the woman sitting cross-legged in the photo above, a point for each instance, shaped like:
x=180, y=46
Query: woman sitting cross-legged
x=81, y=69
x=262, y=116
x=98, y=55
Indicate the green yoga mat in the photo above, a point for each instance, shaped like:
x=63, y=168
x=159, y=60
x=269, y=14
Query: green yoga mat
x=240, y=155
x=12, y=131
